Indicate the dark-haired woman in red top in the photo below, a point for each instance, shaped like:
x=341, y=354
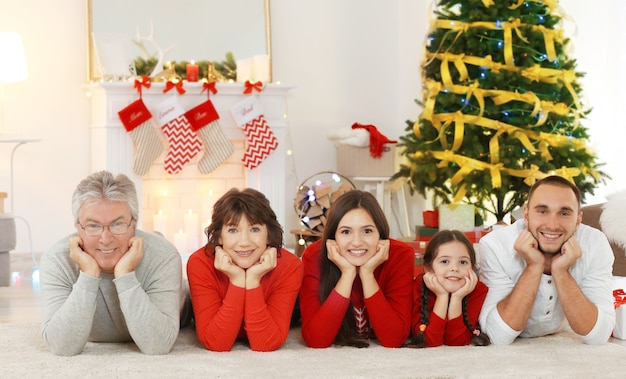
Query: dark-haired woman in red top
x=357, y=281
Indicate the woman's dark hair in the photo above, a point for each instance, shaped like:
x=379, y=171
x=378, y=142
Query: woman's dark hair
x=432, y=250
x=329, y=272
x=247, y=202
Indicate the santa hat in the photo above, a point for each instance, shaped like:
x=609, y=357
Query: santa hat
x=377, y=140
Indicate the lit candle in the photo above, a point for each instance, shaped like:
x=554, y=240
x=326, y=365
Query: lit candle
x=166, y=203
x=180, y=241
x=159, y=223
x=192, y=72
x=192, y=228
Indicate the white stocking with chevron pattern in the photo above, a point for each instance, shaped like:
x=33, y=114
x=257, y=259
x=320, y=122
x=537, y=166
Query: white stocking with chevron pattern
x=184, y=144
x=261, y=141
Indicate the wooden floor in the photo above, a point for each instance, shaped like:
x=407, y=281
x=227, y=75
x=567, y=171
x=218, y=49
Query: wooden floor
x=20, y=302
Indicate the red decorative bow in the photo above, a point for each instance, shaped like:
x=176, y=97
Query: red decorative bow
x=620, y=297
x=178, y=85
x=209, y=86
x=253, y=86
x=144, y=82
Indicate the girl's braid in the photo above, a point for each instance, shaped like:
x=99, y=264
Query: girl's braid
x=478, y=337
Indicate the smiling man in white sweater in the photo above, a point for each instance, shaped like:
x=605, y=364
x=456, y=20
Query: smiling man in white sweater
x=547, y=271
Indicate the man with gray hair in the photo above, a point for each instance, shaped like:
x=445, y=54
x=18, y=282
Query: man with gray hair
x=110, y=282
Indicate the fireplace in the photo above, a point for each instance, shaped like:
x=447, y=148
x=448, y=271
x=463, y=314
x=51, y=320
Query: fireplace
x=176, y=205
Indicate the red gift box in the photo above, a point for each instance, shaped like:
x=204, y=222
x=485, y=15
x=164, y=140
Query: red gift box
x=431, y=219
x=475, y=235
x=424, y=233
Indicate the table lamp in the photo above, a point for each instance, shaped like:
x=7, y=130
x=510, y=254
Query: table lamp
x=12, y=66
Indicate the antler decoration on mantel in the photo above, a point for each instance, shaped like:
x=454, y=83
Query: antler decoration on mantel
x=150, y=39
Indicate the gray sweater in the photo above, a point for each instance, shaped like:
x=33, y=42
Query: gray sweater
x=142, y=306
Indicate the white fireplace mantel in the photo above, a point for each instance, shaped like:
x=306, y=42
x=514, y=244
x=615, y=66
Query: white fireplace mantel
x=112, y=148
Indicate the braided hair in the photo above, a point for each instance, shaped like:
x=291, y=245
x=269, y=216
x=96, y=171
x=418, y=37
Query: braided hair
x=442, y=237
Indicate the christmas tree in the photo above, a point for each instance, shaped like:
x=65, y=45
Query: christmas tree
x=501, y=107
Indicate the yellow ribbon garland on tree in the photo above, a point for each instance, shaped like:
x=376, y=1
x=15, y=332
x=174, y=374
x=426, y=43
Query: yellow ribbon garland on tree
x=535, y=73
x=467, y=165
x=551, y=4
x=549, y=36
x=522, y=135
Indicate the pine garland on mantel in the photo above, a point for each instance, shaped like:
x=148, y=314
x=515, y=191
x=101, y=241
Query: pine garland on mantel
x=226, y=68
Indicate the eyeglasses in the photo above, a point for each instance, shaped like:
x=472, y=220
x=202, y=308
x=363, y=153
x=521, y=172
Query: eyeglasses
x=97, y=229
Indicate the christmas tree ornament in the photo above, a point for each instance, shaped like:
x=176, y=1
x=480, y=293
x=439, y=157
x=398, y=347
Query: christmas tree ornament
x=141, y=127
x=204, y=121
x=184, y=144
x=261, y=141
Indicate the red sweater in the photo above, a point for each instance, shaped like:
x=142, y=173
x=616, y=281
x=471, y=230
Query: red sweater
x=447, y=332
x=388, y=310
x=224, y=312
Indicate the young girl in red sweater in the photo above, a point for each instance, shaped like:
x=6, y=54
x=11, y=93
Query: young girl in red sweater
x=357, y=281
x=448, y=296
x=242, y=283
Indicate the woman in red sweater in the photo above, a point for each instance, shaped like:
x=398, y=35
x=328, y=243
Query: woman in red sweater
x=242, y=283
x=357, y=281
x=448, y=295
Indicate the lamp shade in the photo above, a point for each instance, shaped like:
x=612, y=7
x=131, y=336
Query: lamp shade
x=13, y=63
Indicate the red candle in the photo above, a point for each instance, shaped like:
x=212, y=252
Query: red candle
x=192, y=72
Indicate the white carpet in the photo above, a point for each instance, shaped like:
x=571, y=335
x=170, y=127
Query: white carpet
x=23, y=354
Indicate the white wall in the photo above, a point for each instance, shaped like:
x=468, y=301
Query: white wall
x=598, y=46
x=51, y=106
x=350, y=60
